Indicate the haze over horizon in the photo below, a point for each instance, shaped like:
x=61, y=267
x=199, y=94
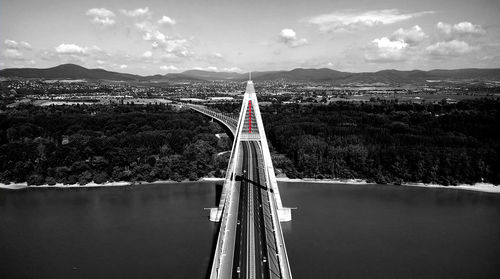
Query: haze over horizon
x=158, y=37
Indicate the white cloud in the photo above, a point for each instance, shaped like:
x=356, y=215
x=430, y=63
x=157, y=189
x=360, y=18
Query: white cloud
x=208, y=68
x=137, y=12
x=73, y=53
x=386, y=50
x=179, y=46
x=450, y=48
x=166, y=20
x=169, y=68
x=461, y=28
x=13, y=54
x=217, y=55
x=10, y=44
x=150, y=32
x=349, y=20
x=123, y=66
x=231, y=69
x=289, y=37
x=467, y=27
x=412, y=36
x=70, y=49
x=24, y=45
x=101, y=16
x=444, y=27
x=384, y=42
x=288, y=34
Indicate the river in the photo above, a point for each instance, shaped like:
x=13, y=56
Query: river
x=162, y=231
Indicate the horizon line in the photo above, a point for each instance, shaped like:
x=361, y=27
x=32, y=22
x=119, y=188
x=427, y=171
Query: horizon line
x=248, y=72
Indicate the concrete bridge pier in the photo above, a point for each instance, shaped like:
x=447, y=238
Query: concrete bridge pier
x=215, y=214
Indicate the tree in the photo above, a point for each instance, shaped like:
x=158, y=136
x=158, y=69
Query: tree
x=50, y=181
x=101, y=177
x=85, y=178
x=35, y=179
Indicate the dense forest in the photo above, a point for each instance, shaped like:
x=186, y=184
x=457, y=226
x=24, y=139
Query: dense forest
x=80, y=144
x=381, y=141
x=387, y=141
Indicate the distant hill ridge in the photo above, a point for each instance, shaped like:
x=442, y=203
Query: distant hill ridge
x=72, y=71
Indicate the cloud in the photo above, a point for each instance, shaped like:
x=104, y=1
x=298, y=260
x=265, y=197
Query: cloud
x=147, y=54
x=166, y=20
x=13, y=54
x=289, y=37
x=176, y=46
x=15, y=50
x=460, y=29
x=74, y=53
x=208, y=68
x=10, y=44
x=231, y=69
x=401, y=45
x=101, y=16
x=412, y=36
x=169, y=68
x=386, y=50
x=384, y=42
x=450, y=48
x=70, y=49
x=24, y=45
x=123, y=66
x=349, y=20
x=150, y=32
x=137, y=12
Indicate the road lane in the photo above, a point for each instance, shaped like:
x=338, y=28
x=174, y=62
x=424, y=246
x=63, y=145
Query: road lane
x=255, y=249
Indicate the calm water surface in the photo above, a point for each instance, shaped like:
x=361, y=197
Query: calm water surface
x=162, y=231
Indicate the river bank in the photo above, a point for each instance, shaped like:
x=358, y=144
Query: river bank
x=24, y=185
x=480, y=187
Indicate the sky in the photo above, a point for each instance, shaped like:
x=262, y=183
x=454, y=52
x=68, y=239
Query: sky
x=163, y=36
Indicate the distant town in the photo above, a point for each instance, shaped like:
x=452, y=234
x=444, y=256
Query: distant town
x=40, y=91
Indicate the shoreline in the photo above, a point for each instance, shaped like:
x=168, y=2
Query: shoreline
x=478, y=187
x=24, y=185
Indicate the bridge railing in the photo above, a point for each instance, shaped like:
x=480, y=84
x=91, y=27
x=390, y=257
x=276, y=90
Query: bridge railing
x=226, y=203
x=227, y=119
x=278, y=232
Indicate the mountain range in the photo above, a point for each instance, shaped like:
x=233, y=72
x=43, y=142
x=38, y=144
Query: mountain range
x=72, y=71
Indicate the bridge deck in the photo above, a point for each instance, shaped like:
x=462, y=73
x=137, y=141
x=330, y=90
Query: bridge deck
x=250, y=242
x=255, y=253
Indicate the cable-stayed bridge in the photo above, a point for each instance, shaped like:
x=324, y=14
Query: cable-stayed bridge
x=250, y=242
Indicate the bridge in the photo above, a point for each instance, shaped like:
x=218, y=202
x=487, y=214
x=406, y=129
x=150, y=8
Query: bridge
x=226, y=119
x=250, y=243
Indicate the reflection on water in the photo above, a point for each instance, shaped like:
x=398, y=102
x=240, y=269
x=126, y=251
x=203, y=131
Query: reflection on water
x=162, y=231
